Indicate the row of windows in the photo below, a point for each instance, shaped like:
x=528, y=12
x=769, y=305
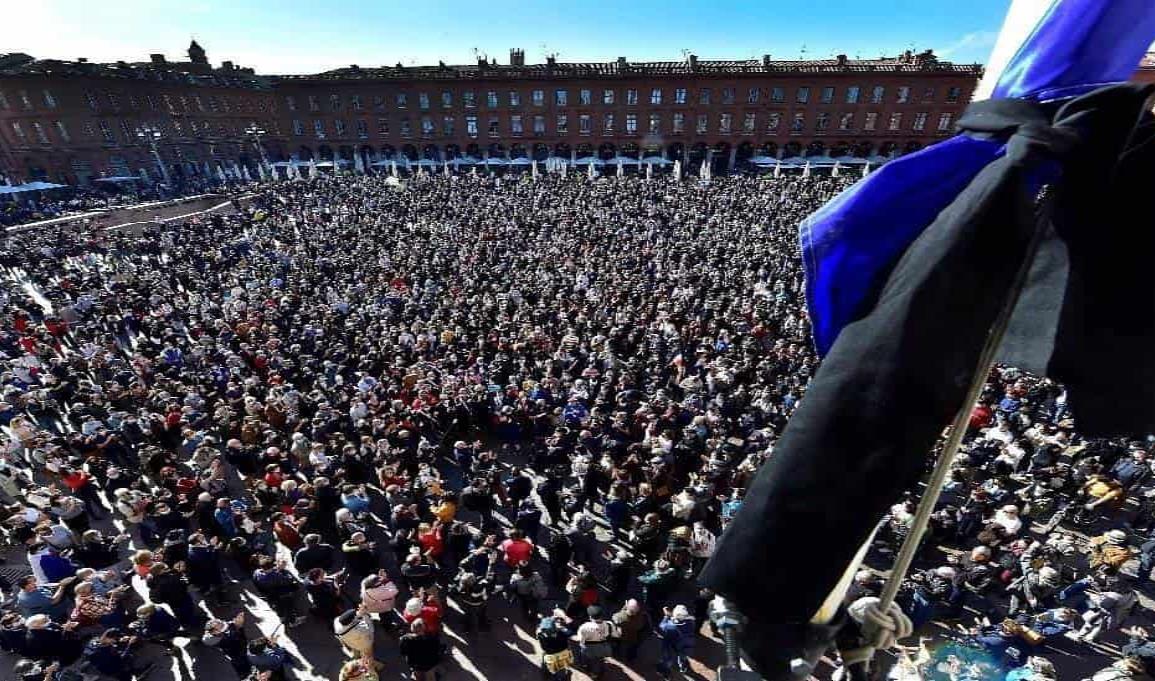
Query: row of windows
x=169, y=102
x=123, y=132
x=26, y=100
x=728, y=95
x=655, y=124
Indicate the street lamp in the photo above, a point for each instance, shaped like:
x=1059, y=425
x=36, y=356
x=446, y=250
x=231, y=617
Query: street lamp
x=255, y=132
x=151, y=136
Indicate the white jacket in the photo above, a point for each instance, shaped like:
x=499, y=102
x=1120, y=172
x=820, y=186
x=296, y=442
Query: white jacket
x=358, y=636
x=381, y=598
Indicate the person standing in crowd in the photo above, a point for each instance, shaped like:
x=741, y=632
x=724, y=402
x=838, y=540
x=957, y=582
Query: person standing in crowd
x=679, y=633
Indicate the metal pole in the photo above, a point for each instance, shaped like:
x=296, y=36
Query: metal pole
x=962, y=417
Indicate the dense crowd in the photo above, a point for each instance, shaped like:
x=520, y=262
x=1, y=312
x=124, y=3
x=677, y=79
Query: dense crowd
x=387, y=410
x=25, y=207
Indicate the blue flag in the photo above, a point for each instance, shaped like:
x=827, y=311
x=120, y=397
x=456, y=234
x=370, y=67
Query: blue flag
x=1048, y=51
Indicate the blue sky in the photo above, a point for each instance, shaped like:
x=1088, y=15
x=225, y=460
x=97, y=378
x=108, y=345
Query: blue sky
x=301, y=36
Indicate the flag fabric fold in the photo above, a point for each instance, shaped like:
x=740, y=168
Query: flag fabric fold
x=1070, y=47
x=898, y=372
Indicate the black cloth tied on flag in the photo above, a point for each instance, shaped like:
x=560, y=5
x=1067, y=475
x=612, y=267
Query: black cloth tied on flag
x=895, y=377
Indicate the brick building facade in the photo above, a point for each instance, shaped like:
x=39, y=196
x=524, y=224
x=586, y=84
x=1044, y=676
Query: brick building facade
x=74, y=121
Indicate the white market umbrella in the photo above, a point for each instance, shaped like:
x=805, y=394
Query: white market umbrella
x=806, y=170
x=313, y=172
x=778, y=169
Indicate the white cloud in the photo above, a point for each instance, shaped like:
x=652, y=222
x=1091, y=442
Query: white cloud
x=973, y=45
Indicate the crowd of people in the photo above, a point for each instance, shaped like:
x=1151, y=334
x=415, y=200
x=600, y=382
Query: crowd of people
x=25, y=207
x=392, y=410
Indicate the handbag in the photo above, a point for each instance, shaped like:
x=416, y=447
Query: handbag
x=555, y=662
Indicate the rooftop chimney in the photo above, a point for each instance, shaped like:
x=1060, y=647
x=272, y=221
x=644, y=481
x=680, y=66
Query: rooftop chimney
x=841, y=60
x=226, y=66
x=551, y=60
x=82, y=60
x=157, y=59
x=482, y=62
x=693, y=62
x=621, y=61
x=766, y=60
x=517, y=57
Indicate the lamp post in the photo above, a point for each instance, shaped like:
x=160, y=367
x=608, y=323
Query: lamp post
x=255, y=132
x=151, y=136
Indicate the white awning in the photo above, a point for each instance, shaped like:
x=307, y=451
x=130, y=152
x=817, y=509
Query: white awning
x=820, y=161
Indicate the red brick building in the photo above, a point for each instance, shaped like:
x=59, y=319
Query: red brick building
x=73, y=121
x=673, y=109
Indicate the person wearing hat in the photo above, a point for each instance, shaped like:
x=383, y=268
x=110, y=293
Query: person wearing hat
x=678, y=632
x=1109, y=551
x=229, y=637
x=594, y=641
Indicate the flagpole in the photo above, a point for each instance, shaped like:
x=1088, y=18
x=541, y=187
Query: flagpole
x=961, y=421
